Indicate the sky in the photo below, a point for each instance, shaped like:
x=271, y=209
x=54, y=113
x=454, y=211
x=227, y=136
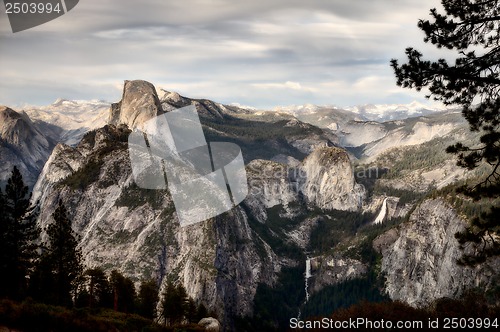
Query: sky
x=256, y=53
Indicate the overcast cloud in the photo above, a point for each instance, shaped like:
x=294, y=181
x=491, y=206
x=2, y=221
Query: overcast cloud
x=257, y=53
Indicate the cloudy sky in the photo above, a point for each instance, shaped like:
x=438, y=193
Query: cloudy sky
x=260, y=53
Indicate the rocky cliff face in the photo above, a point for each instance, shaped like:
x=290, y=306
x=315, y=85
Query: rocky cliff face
x=137, y=232
x=419, y=257
x=22, y=144
x=220, y=262
x=270, y=184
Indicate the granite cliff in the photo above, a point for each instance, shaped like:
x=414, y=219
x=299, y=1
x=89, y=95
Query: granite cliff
x=420, y=257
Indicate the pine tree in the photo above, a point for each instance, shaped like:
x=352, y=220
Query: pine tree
x=471, y=28
x=96, y=290
x=148, y=298
x=174, y=304
x=201, y=312
x=123, y=290
x=60, y=267
x=19, y=233
x=191, y=312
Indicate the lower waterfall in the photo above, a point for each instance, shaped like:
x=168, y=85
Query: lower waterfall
x=307, y=276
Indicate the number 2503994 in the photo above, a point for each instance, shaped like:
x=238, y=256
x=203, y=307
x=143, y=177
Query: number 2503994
x=32, y=8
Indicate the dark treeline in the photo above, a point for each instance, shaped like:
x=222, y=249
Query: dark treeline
x=51, y=272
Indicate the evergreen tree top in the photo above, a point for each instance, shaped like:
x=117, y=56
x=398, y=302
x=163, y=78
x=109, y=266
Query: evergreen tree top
x=472, y=29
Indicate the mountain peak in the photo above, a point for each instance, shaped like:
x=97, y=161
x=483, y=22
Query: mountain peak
x=8, y=113
x=139, y=103
x=14, y=126
x=59, y=102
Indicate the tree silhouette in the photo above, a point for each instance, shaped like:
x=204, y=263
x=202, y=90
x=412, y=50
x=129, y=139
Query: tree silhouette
x=97, y=290
x=6, y=247
x=192, y=312
x=472, y=29
x=60, y=267
x=123, y=292
x=201, y=312
x=148, y=298
x=18, y=236
x=174, y=304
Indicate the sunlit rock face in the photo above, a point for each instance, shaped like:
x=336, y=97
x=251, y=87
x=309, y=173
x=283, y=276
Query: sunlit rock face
x=329, y=180
x=324, y=180
x=139, y=103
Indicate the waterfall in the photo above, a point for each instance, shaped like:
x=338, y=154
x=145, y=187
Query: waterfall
x=382, y=213
x=307, y=276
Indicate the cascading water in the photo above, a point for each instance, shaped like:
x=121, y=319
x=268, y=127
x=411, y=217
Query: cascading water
x=383, y=211
x=307, y=276
x=306, y=279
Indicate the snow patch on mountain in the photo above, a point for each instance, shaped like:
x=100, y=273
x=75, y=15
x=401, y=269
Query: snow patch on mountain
x=73, y=117
x=303, y=109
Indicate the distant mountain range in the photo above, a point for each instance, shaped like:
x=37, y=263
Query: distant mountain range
x=370, y=112
x=75, y=115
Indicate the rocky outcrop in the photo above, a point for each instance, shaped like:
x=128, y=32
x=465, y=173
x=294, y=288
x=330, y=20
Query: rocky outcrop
x=210, y=324
x=206, y=108
x=323, y=180
x=334, y=269
x=329, y=180
x=420, y=257
x=357, y=133
x=139, y=103
x=301, y=234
